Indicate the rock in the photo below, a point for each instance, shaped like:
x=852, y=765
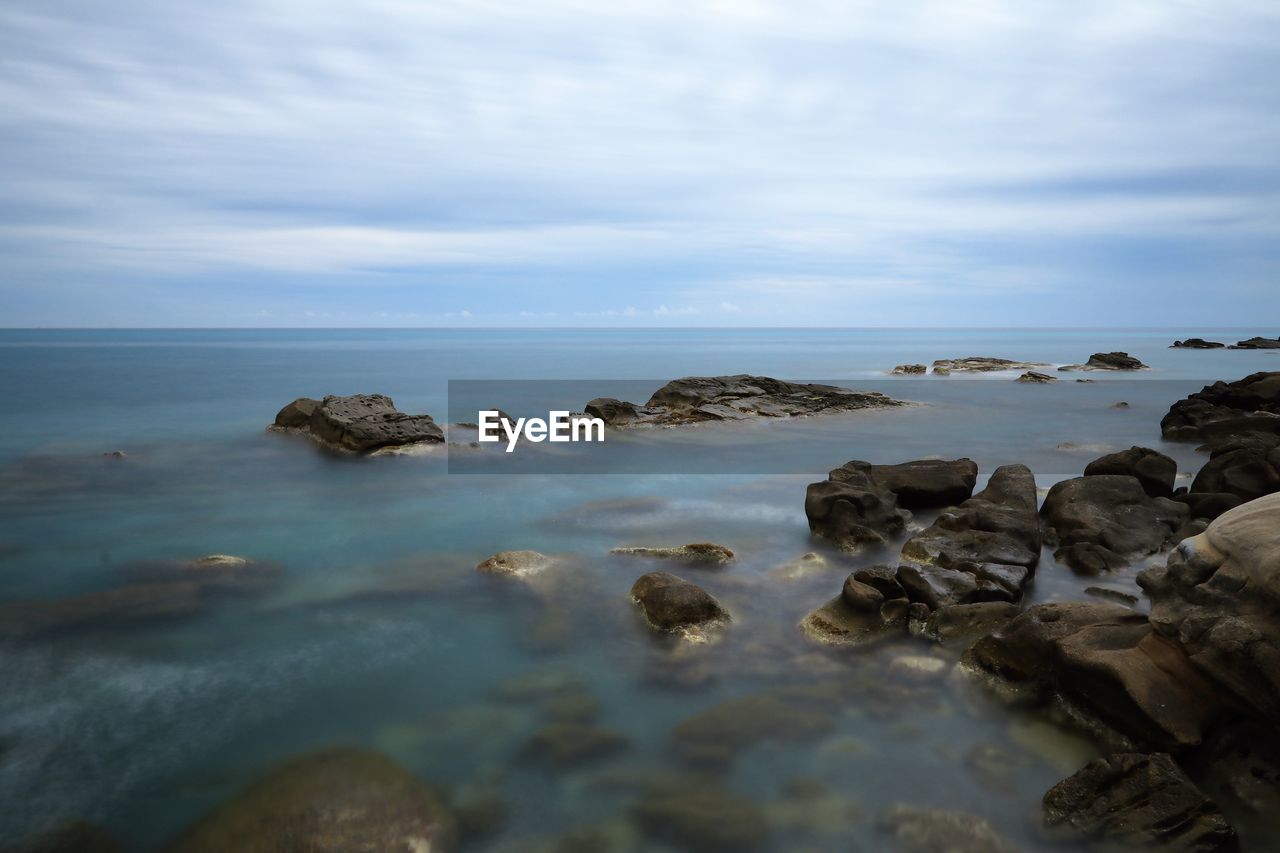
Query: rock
x=1196, y=343
x=918, y=830
x=1120, y=405
x=670, y=603
x=1241, y=761
x=1246, y=469
x=714, y=737
x=1032, y=376
x=78, y=836
x=909, y=370
x=962, y=622
x=805, y=566
x=695, y=814
x=1107, y=667
x=1108, y=361
x=993, y=537
x=942, y=371
x=328, y=802
x=861, y=597
x=1226, y=408
x=1135, y=800
x=1257, y=343
x=1154, y=471
x=698, y=553
x=1218, y=599
x=1118, y=596
x=112, y=609
x=918, y=669
x=882, y=578
x=837, y=624
x=116, y=454
x=922, y=484
x=519, y=564
x=1104, y=521
x=360, y=423
x=718, y=398
x=982, y=364
x=571, y=743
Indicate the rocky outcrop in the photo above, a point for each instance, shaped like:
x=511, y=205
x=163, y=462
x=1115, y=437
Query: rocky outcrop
x=328, y=802
x=981, y=364
x=670, y=603
x=1108, y=361
x=360, y=423
x=1154, y=471
x=1107, y=668
x=922, y=484
x=1218, y=599
x=1223, y=409
x=982, y=550
x=1036, y=378
x=695, y=399
x=697, y=553
x=1257, y=343
x=1196, y=343
x=909, y=370
x=1246, y=468
x=1132, y=800
x=1103, y=522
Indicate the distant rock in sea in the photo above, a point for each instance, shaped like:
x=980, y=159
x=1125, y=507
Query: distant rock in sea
x=360, y=423
x=1257, y=343
x=1032, y=376
x=1196, y=343
x=1108, y=361
x=981, y=364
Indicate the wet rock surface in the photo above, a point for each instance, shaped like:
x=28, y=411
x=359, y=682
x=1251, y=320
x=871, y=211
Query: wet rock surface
x=1108, y=361
x=1103, y=522
x=518, y=564
x=1136, y=800
x=1248, y=405
x=360, y=423
x=695, y=399
x=1033, y=377
x=671, y=603
x=1196, y=343
x=697, y=553
x=1153, y=470
x=1257, y=342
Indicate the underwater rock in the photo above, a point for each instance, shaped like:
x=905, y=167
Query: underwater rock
x=1105, y=521
x=1108, y=668
x=918, y=669
x=360, y=423
x=111, y=609
x=1196, y=343
x=1135, y=800
x=837, y=624
x=671, y=603
x=1155, y=471
x=1036, y=378
x=981, y=364
x=957, y=623
x=698, y=814
x=571, y=743
x=519, y=564
x=714, y=737
x=920, y=830
x=1108, y=361
x=335, y=801
x=694, y=399
x=804, y=566
x=78, y=836
x=697, y=553
x=1248, y=405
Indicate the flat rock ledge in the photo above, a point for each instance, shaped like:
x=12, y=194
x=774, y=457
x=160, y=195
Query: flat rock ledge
x=696, y=553
x=360, y=423
x=698, y=399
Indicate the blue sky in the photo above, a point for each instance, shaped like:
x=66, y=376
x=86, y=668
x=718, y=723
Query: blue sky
x=400, y=163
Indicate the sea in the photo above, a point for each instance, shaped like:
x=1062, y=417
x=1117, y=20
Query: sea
x=374, y=630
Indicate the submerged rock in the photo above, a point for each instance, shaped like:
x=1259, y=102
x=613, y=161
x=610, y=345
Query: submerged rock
x=981, y=364
x=1108, y=361
x=693, y=399
x=573, y=742
x=1135, y=800
x=1033, y=377
x=1103, y=522
x=909, y=370
x=112, y=609
x=695, y=813
x=958, y=623
x=1257, y=343
x=920, y=830
x=520, y=564
x=1196, y=343
x=1245, y=406
x=1108, y=668
x=360, y=423
x=836, y=623
x=335, y=801
x=698, y=553
x=78, y=836
x=1154, y=471
x=714, y=737
x=671, y=603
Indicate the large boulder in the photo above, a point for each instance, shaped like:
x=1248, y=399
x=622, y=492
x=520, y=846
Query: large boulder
x=1107, y=667
x=1247, y=405
x=853, y=511
x=1133, y=800
x=921, y=484
x=1196, y=343
x=1108, y=361
x=671, y=603
x=1247, y=467
x=1105, y=521
x=1218, y=599
x=360, y=423
x=993, y=538
x=1155, y=471
x=336, y=801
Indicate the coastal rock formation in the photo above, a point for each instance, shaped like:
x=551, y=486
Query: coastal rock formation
x=328, y=802
x=1196, y=343
x=671, y=603
x=982, y=550
x=1040, y=378
x=1108, y=361
x=519, y=564
x=1135, y=800
x=694, y=399
x=1257, y=343
x=909, y=370
x=1103, y=522
x=1248, y=405
x=697, y=553
x=981, y=364
x=1153, y=470
x=360, y=423
x=922, y=484
x=1108, y=668
x=1244, y=468
x=1218, y=599
x=699, y=813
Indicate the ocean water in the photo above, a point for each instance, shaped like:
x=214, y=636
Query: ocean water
x=376, y=630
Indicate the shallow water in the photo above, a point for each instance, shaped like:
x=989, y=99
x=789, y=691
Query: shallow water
x=377, y=631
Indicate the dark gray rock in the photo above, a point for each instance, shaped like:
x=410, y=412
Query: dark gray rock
x=1108, y=361
x=1222, y=409
x=981, y=364
x=611, y=411
x=860, y=596
x=1033, y=377
x=957, y=623
x=360, y=423
x=1245, y=469
x=1105, y=521
x=1134, y=800
x=1155, y=471
x=921, y=484
x=671, y=603
x=1257, y=343
x=1196, y=343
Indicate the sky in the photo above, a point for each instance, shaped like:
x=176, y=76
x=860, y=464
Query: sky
x=554, y=163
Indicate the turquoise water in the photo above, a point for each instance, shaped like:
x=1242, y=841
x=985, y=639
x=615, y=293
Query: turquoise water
x=377, y=630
